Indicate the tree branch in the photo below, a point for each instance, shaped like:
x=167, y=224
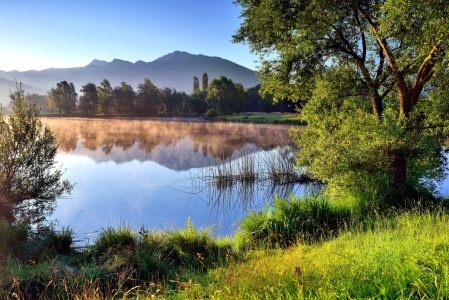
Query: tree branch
x=362, y=35
x=380, y=67
x=425, y=71
x=350, y=49
x=382, y=42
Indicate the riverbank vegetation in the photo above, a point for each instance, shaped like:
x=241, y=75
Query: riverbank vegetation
x=297, y=248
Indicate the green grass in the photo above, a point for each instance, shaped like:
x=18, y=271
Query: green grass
x=401, y=254
x=289, y=221
x=403, y=257
x=271, y=118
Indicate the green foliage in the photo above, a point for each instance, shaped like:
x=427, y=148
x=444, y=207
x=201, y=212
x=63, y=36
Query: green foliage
x=113, y=240
x=204, y=82
x=373, y=76
x=225, y=96
x=63, y=98
x=12, y=237
x=266, y=118
x=346, y=147
x=172, y=100
x=124, y=98
x=288, y=221
x=211, y=113
x=61, y=242
x=148, y=97
x=89, y=101
x=30, y=182
x=401, y=257
x=196, y=84
x=197, y=102
x=105, y=96
x=196, y=249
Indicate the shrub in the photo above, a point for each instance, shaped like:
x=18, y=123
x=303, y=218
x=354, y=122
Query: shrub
x=211, y=113
x=12, y=236
x=308, y=219
x=196, y=249
x=151, y=256
x=115, y=240
x=61, y=242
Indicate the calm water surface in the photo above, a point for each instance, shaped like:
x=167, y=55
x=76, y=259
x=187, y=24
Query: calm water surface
x=139, y=172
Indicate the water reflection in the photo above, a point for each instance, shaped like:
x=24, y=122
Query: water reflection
x=125, y=171
x=175, y=145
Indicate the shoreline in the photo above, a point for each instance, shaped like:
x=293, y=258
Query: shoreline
x=244, y=118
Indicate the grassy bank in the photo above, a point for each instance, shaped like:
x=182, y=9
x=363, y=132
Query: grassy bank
x=261, y=118
x=269, y=118
x=295, y=249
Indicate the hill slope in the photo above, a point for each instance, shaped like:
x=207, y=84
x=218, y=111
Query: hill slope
x=7, y=86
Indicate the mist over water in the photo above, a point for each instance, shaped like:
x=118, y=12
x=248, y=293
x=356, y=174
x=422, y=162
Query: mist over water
x=139, y=172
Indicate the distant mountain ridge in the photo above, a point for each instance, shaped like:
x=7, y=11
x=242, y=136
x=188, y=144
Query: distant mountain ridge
x=175, y=70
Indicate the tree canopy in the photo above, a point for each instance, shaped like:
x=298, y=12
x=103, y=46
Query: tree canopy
x=30, y=181
x=374, y=78
x=204, y=81
x=89, y=100
x=63, y=97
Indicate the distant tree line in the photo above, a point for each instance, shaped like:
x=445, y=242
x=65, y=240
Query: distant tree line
x=221, y=94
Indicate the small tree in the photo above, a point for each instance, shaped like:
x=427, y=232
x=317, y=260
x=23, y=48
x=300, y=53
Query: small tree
x=30, y=182
x=196, y=84
x=204, y=81
x=105, y=96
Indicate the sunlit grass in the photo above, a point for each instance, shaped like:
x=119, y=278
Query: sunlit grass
x=274, y=118
x=399, y=255
x=403, y=257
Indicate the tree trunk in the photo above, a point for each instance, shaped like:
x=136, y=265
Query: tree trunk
x=400, y=171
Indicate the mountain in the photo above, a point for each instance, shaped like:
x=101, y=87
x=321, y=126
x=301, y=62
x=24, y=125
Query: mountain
x=175, y=70
x=7, y=86
x=97, y=62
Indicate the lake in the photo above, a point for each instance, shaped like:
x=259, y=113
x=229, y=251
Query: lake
x=148, y=172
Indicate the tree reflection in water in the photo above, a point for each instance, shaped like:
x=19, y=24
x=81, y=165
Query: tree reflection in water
x=125, y=169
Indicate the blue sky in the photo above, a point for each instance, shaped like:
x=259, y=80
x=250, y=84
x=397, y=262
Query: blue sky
x=43, y=34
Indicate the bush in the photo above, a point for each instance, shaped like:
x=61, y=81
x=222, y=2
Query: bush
x=196, y=249
x=308, y=219
x=12, y=237
x=211, y=113
x=30, y=181
x=60, y=242
x=112, y=239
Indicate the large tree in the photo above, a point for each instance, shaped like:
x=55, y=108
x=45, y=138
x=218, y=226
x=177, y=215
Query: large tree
x=105, y=96
x=374, y=75
x=30, y=179
x=89, y=100
x=223, y=96
x=124, y=98
x=171, y=100
x=63, y=98
x=148, y=97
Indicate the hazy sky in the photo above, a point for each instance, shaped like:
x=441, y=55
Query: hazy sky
x=58, y=33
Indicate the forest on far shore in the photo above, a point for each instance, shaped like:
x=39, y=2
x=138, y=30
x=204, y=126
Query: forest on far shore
x=222, y=96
